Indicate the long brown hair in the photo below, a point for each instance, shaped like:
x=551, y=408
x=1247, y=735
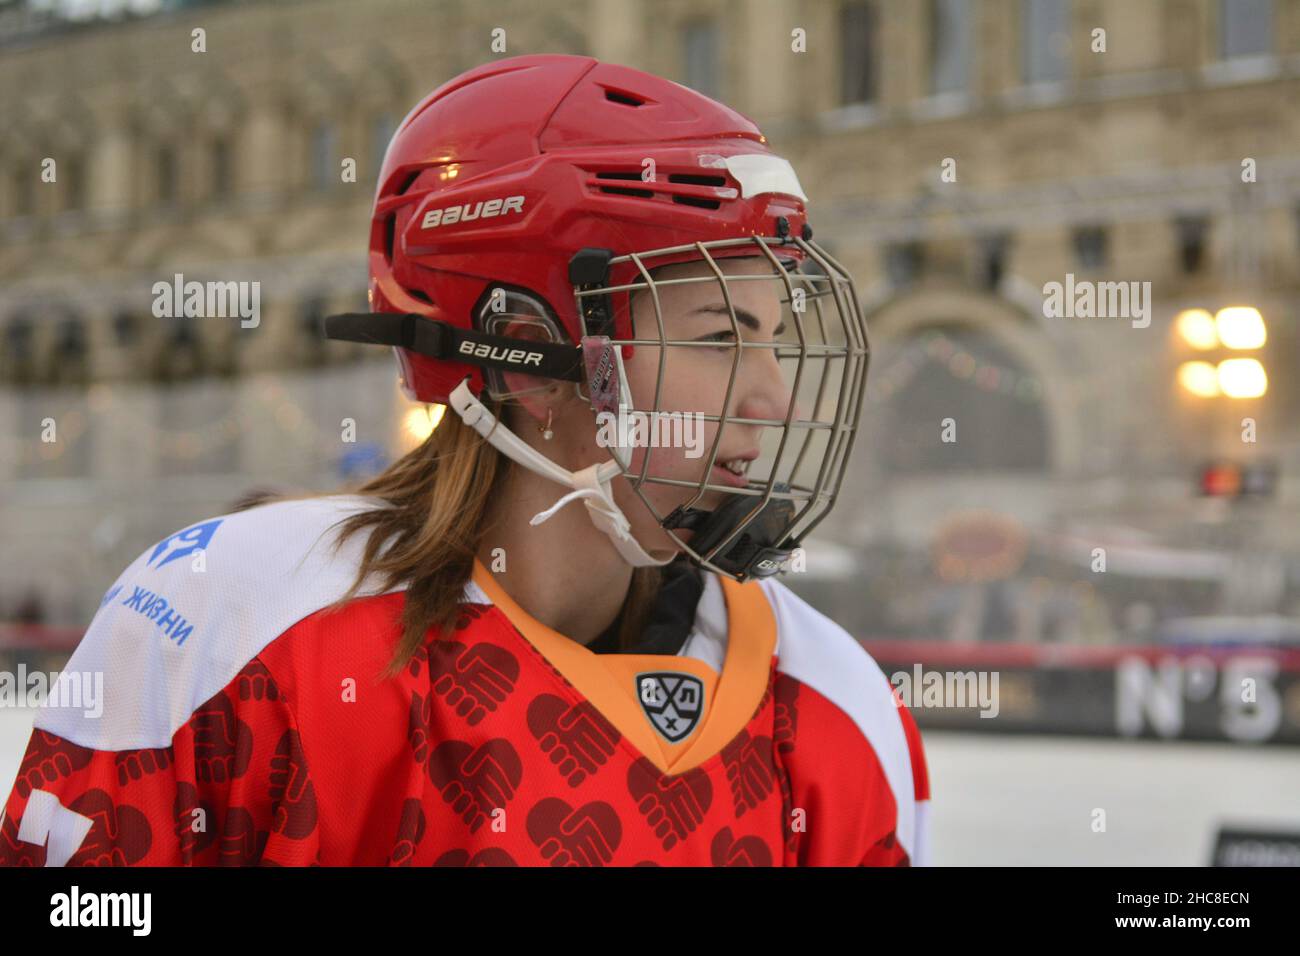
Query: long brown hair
x=436, y=499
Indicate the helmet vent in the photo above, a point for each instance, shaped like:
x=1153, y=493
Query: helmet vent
x=627, y=99
x=688, y=179
x=390, y=233
x=624, y=191
x=406, y=183
x=695, y=180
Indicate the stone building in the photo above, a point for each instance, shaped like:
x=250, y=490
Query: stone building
x=959, y=157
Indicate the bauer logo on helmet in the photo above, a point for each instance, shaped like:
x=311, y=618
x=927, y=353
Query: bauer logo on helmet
x=496, y=353
x=481, y=210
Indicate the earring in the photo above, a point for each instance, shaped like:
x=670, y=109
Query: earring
x=547, y=434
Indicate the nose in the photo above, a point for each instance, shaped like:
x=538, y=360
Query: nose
x=762, y=389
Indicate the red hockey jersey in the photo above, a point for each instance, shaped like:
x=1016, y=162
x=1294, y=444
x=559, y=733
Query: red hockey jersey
x=245, y=721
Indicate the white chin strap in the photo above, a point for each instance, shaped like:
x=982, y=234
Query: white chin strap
x=590, y=484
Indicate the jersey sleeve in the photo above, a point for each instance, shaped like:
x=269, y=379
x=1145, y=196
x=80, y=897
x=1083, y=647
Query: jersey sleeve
x=233, y=788
x=888, y=851
x=855, y=756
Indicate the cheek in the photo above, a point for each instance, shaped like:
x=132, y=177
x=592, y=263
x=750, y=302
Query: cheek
x=685, y=461
x=643, y=373
x=695, y=380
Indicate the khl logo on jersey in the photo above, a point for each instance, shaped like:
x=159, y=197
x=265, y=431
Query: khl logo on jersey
x=672, y=702
x=187, y=541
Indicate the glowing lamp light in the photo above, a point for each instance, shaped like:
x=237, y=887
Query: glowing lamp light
x=1199, y=378
x=1197, y=328
x=420, y=421
x=1242, y=378
x=1240, y=327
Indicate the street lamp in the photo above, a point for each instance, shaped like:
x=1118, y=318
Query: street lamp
x=1196, y=326
x=1240, y=327
x=1242, y=378
x=1199, y=378
x=1236, y=327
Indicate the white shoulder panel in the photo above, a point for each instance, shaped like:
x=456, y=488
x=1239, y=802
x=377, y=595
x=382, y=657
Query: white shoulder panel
x=188, y=614
x=816, y=651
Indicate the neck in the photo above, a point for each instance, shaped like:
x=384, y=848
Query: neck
x=565, y=573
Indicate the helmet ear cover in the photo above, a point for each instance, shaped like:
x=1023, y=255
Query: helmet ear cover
x=515, y=313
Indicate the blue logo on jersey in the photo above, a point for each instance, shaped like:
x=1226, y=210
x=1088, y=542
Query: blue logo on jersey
x=194, y=538
x=156, y=608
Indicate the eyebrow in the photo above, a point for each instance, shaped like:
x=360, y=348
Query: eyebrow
x=743, y=316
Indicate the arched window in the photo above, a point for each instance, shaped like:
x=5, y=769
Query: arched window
x=125, y=328
x=219, y=118
x=377, y=95
x=163, y=130
x=70, y=140
x=183, y=355
x=324, y=155
x=952, y=41
x=19, y=351
x=70, y=358
x=219, y=157
x=1044, y=41
x=165, y=173
x=24, y=179
x=311, y=318
x=1246, y=28
x=72, y=178
x=859, y=51
x=955, y=372
x=701, y=44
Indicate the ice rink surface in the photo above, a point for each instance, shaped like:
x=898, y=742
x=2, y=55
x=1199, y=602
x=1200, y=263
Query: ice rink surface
x=1008, y=801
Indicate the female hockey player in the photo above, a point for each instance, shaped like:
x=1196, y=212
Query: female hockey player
x=611, y=283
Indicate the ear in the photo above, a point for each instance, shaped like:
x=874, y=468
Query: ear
x=525, y=331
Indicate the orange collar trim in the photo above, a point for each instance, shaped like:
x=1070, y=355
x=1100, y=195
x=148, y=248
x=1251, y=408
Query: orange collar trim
x=751, y=641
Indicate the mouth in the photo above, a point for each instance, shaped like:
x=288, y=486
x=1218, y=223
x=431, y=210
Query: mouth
x=733, y=471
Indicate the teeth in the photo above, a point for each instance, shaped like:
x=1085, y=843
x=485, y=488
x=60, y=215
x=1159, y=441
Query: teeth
x=735, y=466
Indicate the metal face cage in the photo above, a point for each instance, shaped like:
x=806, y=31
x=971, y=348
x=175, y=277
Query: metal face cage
x=822, y=355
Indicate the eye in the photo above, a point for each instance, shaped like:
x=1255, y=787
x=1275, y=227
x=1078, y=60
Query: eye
x=726, y=336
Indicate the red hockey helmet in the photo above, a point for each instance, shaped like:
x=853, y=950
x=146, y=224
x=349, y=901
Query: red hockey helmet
x=551, y=186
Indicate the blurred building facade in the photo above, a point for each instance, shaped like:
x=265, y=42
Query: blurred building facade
x=958, y=155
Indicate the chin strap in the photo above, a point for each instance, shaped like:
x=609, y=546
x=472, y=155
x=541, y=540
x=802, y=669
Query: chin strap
x=591, y=484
